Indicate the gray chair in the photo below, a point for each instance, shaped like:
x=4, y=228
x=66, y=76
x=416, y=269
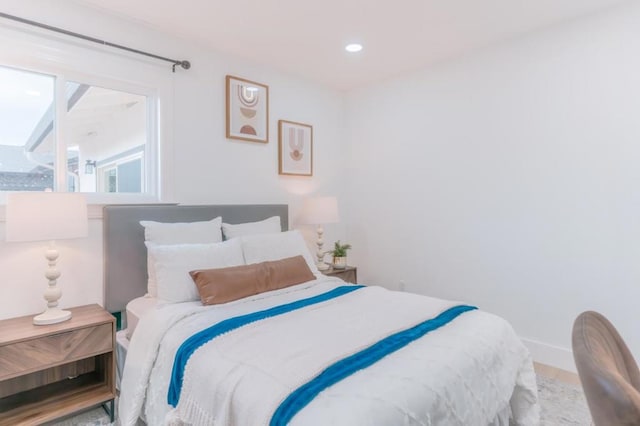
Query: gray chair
x=609, y=374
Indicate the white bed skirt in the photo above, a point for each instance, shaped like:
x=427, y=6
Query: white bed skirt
x=122, y=346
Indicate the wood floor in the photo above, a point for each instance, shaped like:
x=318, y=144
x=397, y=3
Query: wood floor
x=556, y=373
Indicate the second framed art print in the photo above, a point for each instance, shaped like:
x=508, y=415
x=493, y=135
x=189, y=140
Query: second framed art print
x=247, y=110
x=295, y=148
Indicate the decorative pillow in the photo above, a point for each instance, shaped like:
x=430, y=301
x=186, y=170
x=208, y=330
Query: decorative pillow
x=173, y=263
x=228, y=284
x=177, y=233
x=261, y=248
x=267, y=226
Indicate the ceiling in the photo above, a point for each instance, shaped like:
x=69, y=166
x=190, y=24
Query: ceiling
x=307, y=38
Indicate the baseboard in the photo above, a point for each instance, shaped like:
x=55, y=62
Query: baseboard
x=554, y=356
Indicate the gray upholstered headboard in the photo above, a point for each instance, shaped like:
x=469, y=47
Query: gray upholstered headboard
x=125, y=255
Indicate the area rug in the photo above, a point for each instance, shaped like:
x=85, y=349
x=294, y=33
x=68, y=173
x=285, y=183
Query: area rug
x=560, y=403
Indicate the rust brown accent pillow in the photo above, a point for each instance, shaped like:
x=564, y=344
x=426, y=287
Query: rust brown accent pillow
x=228, y=284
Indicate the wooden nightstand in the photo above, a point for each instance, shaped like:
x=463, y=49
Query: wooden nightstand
x=348, y=274
x=51, y=371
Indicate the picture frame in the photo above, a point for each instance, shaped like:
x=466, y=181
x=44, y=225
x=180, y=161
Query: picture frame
x=247, y=110
x=295, y=148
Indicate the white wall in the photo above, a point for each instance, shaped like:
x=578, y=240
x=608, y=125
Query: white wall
x=509, y=179
x=203, y=165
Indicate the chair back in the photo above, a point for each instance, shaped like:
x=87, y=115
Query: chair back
x=608, y=373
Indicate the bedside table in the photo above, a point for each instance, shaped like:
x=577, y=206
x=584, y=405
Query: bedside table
x=348, y=274
x=51, y=371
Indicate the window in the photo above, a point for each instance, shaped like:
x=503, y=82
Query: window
x=69, y=111
x=67, y=135
x=106, y=130
x=25, y=99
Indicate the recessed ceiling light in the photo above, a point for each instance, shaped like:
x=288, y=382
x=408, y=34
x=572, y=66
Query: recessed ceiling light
x=353, y=47
x=32, y=92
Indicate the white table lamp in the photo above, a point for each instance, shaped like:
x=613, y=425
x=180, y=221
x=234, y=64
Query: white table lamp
x=47, y=216
x=319, y=211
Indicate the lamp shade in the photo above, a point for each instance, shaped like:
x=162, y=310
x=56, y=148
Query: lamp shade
x=41, y=216
x=319, y=210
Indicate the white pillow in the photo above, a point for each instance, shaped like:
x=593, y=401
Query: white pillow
x=183, y=233
x=267, y=226
x=261, y=248
x=177, y=233
x=174, y=262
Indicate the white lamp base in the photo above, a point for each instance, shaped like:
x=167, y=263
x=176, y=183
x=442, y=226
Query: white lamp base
x=320, y=253
x=322, y=266
x=51, y=316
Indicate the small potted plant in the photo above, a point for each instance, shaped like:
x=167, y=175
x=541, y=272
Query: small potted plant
x=339, y=253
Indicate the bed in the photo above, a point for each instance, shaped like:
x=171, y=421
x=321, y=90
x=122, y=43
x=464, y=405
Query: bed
x=313, y=353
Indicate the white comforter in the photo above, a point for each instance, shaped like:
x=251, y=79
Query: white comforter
x=473, y=371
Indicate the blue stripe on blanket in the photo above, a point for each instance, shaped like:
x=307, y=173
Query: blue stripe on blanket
x=302, y=396
x=194, y=342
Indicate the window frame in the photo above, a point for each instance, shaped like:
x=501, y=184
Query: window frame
x=149, y=165
x=70, y=61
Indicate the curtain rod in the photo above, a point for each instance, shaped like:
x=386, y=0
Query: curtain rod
x=184, y=64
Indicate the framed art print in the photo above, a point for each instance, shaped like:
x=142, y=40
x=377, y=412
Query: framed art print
x=295, y=148
x=247, y=110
